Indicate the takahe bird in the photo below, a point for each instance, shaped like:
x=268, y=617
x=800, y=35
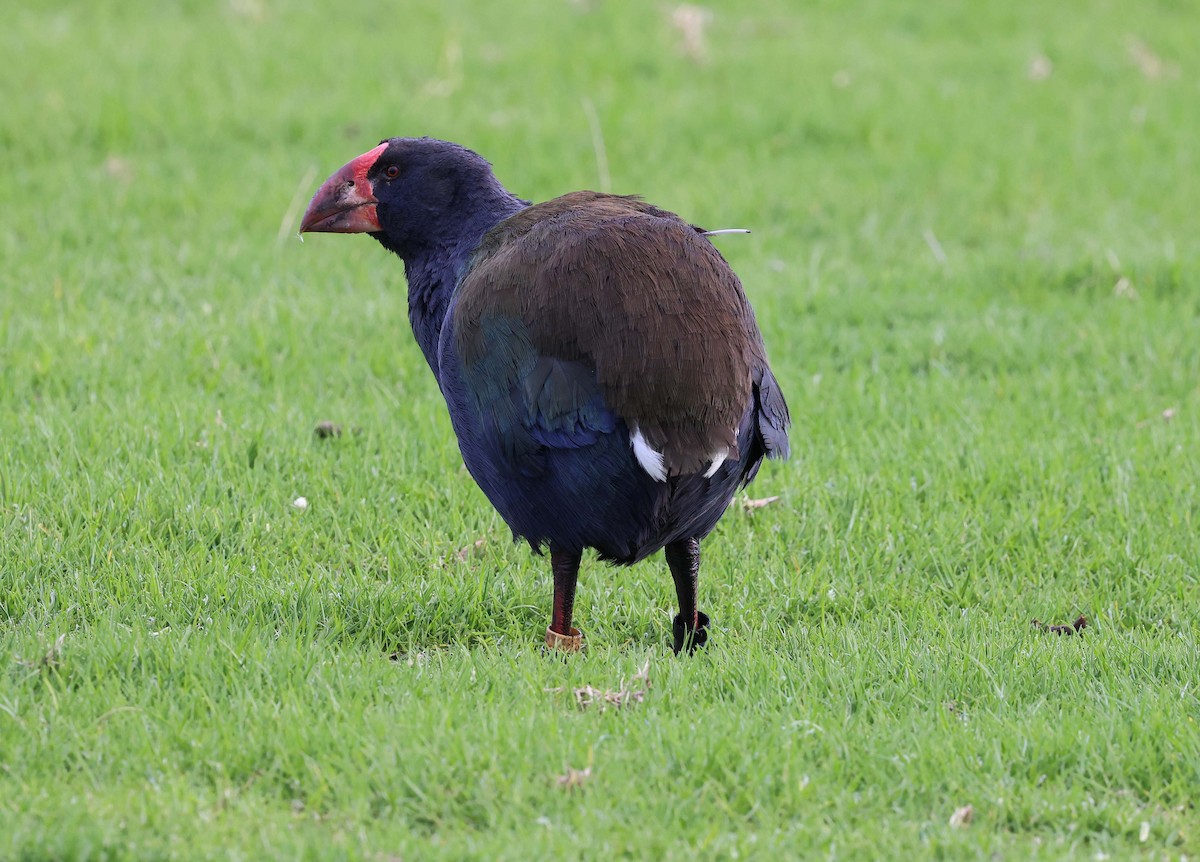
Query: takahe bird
x=603, y=370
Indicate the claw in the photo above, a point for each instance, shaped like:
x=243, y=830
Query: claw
x=687, y=637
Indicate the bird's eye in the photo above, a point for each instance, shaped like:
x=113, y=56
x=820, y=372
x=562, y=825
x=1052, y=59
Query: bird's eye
x=391, y=172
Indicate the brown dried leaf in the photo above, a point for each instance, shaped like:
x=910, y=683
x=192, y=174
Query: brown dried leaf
x=749, y=504
x=470, y=550
x=1150, y=64
x=1124, y=288
x=962, y=817
x=325, y=428
x=119, y=169
x=574, y=779
x=1166, y=416
x=588, y=696
x=691, y=21
x=632, y=692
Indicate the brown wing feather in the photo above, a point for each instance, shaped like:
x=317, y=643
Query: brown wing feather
x=636, y=294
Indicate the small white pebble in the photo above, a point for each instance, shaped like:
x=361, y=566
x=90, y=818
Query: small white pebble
x=300, y=503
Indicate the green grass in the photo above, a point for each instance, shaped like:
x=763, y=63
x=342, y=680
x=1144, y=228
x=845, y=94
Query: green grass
x=980, y=291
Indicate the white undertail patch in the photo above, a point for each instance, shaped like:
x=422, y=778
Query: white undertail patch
x=650, y=459
x=718, y=458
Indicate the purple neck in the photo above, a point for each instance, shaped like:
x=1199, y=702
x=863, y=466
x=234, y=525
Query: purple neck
x=434, y=268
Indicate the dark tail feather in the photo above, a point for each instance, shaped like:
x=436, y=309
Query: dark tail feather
x=771, y=421
x=772, y=415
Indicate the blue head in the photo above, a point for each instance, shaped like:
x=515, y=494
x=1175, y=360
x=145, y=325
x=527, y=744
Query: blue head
x=430, y=202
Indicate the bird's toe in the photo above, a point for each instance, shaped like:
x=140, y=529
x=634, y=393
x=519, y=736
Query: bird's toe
x=688, y=638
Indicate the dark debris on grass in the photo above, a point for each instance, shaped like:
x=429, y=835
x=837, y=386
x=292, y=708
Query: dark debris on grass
x=1076, y=627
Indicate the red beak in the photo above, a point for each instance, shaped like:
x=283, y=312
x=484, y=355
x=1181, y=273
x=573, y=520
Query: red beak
x=345, y=203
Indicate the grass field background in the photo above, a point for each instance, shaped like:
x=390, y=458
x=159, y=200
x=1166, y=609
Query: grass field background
x=976, y=263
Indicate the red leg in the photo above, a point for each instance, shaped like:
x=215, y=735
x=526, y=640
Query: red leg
x=560, y=635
